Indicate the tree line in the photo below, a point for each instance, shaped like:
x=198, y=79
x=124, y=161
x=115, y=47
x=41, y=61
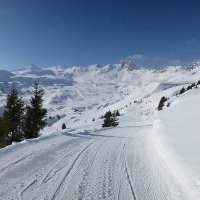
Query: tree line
x=164, y=99
x=20, y=121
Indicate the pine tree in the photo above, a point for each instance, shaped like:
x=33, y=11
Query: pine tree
x=182, y=90
x=114, y=120
x=3, y=137
x=35, y=114
x=64, y=126
x=13, y=117
x=193, y=85
x=162, y=103
x=117, y=113
x=110, y=119
x=108, y=114
x=189, y=87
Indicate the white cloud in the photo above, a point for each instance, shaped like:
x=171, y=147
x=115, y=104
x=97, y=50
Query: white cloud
x=136, y=56
x=151, y=61
x=196, y=61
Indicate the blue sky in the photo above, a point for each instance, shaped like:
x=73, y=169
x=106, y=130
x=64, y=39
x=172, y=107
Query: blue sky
x=67, y=32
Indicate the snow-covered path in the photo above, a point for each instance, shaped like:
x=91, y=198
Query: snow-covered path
x=112, y=164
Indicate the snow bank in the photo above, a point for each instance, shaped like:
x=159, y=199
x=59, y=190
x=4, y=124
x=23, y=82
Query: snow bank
x=177, y=139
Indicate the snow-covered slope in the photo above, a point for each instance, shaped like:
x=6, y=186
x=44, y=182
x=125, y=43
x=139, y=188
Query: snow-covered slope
x=79, y=94
x=151, y=155
x=177, y=129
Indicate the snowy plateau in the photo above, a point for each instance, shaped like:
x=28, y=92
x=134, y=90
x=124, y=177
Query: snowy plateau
x=151, y=155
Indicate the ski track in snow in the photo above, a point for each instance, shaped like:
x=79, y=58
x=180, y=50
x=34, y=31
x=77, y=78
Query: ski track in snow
x=95, y=167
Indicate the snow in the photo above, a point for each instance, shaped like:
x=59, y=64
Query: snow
x=179, y=126
x=151, y=155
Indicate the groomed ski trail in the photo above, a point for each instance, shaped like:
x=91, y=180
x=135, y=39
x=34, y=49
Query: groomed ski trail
x=110, y=164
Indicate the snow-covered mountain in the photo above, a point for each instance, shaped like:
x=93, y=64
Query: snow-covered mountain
x=79, y=94
x=151, y=155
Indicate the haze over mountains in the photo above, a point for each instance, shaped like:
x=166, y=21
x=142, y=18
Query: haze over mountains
x=96, y=87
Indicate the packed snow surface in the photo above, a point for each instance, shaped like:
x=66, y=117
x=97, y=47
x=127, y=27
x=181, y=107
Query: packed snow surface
x=151, y=155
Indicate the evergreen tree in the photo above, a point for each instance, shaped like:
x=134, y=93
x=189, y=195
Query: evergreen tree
x=168, y=104
x=110, y=119
x=162, y=103
x=193, y=85
x=13, y=117
x=182, y=90
x=117, y=113
x=3, y=136
x=108, y=114
x=35, y=114
x=114, y=120
x=64, y=126
x=189, y=87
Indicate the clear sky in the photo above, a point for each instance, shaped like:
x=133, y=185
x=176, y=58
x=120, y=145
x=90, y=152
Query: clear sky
x=67, y=32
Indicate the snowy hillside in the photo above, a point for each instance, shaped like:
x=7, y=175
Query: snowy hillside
x=151, y=155
x=79, y=94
